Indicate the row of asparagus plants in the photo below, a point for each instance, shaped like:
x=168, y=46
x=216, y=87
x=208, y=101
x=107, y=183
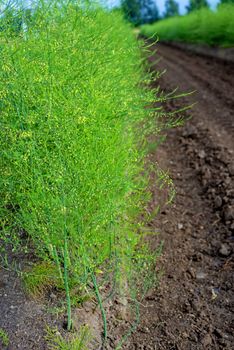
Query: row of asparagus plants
x=74, y=126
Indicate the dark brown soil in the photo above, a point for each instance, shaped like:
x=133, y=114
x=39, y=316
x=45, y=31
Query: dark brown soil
x=193, y=306
x=22, y=318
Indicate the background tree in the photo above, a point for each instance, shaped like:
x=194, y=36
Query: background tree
x=132, y=10
x=149, y=11
x=172, y=8
x=11, y=21
x=140, y=11
x=226, y=2
x=196, y=5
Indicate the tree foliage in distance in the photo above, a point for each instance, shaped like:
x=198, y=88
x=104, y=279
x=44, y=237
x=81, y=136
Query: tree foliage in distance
x=196, y=5
x=14, y=21
x=10, y=20
x=149, y=11
x=140, y=11
x=131, y=9
x=172, y=8
x=226, y=2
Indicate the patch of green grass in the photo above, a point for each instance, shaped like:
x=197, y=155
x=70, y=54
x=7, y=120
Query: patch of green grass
x=40, y=278
x=76, y=342
x=4, y=337
x=213, y=28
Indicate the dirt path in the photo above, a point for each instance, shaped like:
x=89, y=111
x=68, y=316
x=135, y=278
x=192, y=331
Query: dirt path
x=192, y=308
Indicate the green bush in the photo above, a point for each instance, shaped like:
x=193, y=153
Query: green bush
x=214, y=28
x=74, y=127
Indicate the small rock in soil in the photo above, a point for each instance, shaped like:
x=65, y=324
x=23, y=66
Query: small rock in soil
x=144, y=330
x=202, y=154
x=190, y=131
x=228, y=212
x=193, y=338
x=206, y=340
x=206, y=173
x=218, y=202
x=200, y=275
x=225, y=250
x=53, y=296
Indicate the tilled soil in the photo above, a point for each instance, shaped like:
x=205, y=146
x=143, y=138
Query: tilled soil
x=193, y=306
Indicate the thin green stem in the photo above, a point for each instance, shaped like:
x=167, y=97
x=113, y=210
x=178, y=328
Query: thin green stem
x=66, y=284
x=58, y=263
x=94, y=280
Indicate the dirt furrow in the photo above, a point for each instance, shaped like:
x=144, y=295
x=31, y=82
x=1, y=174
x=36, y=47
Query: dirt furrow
x=193, y=306
x=203, y=68
x=213, y=110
